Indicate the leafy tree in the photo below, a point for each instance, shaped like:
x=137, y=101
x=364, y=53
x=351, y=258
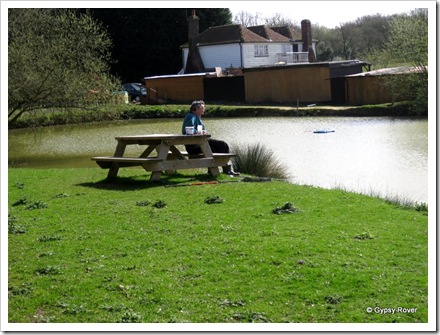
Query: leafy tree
x=409, y=38
x=352, y=40
x=211, y=17
x=56, y=58
x=324, y=47
x=146, y=41
x=332, y=43
x=371, y=32
x=407, y=46
x=346, y=41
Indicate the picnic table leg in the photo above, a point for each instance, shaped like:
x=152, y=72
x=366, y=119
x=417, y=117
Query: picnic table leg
x=176, y=153
x=148, y=151
x=207, y=152
x=162, y=152
x=114, y=168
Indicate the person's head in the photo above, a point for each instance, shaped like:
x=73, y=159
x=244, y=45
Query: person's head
x=198, y=107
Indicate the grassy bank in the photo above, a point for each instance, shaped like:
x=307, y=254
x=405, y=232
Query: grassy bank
x=127, y=112
x=85, y=250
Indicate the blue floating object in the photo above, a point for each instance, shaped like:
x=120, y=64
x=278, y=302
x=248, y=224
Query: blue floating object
x=323, y=131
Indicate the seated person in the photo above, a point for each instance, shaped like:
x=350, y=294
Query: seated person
x=193, y=119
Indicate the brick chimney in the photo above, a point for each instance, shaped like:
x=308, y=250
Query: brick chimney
x=194, y=63
x=306, y=33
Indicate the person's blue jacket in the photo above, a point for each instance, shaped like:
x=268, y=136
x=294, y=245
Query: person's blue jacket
x=191, y=120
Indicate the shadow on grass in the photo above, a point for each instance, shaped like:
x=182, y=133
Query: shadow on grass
x=134, y=183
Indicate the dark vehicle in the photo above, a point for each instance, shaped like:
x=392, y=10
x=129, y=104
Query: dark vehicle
x=135, y=91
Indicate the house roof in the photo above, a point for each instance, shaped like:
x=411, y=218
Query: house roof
x=392, y=70
x=288, y=32
x=269, y=34
x=200, y=74
x=291, y=33
x=236, y=33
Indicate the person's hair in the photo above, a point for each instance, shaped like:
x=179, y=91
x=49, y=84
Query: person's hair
x=196, y=104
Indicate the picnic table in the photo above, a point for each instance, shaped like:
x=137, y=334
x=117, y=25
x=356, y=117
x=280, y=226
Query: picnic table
x=168, y=157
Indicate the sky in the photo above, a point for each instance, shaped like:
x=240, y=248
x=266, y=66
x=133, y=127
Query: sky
x=325, y=13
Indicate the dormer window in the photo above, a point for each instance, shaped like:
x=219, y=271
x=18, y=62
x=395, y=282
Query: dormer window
x=261, y=51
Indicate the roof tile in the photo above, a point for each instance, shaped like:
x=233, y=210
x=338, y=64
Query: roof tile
x=229, y=34
x=268, y=33
x=237, y=33
x=288, y=32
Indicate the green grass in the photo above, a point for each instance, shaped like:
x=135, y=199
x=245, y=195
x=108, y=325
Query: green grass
x=84, y=250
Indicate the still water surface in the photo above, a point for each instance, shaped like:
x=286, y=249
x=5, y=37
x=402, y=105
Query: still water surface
x=381, y=156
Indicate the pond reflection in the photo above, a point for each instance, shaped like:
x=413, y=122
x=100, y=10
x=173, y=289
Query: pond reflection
x=380, y=156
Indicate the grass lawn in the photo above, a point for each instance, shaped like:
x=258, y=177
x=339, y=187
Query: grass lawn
x=83, y=250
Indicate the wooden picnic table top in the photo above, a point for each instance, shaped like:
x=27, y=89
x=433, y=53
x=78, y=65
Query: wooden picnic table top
x=168, y=158
x=161, y=137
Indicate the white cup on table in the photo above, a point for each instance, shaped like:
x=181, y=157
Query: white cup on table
x=189, y=130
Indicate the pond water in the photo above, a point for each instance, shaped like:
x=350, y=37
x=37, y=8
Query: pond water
x=387, y=157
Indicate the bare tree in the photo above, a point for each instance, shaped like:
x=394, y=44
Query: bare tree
x=279, y=20
x=247, y=19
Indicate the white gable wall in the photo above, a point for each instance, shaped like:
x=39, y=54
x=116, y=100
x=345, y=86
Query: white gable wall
x=222, y=55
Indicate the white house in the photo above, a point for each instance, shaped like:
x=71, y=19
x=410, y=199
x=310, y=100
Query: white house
x=235, y=46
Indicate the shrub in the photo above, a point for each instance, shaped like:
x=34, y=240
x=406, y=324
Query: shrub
x=423, y=207
x=258, y=160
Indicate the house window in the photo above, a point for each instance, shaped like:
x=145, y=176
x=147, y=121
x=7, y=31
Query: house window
x=261, y=51
x=287, y=48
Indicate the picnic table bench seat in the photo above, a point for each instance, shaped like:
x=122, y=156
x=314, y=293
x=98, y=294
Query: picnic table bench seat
x=215, y=154
x=106, y=162
x=220, y=158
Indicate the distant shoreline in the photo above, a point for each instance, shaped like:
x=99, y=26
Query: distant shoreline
x=134, y=111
